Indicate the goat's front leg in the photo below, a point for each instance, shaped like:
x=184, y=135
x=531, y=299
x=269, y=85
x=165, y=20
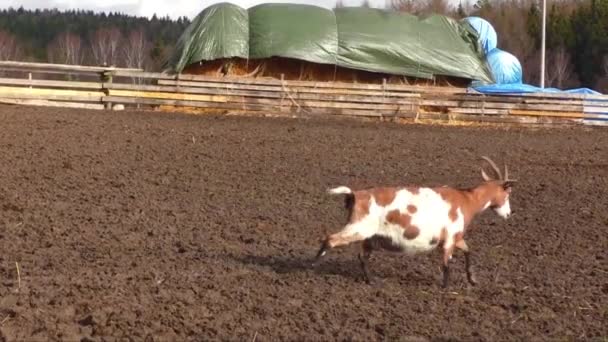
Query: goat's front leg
x=447, y=256
x=462, y=245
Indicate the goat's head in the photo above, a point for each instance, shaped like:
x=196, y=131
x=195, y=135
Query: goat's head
x=500, y=188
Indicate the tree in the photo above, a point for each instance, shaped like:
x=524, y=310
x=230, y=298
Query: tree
x=483, y=8
x=559, y=68
x=407, y=6
x=606, y=65
x=104, y=46
x=136, y=49
x=10, y=49
x=66, y=48
x=460, y=11
x=590, y=22
x=436, y=7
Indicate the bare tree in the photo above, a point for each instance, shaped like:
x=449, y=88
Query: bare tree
x=137, y=51
x=407, y=6
x=436, y=7
x=104, y=46
x=66, y=48
x=559, y=67
x=9, y=47
x=418, y=7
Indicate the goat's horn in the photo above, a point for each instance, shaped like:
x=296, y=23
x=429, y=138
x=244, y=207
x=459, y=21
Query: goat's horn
x=506, y=173
x=493, y=165
x=485, y=176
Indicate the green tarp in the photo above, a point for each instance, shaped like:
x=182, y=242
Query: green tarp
x=352, y=37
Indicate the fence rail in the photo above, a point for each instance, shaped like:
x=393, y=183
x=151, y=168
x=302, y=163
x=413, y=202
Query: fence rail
x=106, y=86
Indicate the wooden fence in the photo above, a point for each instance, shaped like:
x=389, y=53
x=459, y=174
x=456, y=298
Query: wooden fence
x=104, y=87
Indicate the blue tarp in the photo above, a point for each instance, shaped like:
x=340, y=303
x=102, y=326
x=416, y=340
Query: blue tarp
x=505, y=67
x=519, y=88
x=487, y=34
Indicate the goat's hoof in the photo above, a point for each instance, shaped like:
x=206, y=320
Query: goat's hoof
x=472, y=280
x=374, y=283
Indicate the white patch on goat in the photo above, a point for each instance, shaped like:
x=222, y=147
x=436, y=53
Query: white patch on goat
x=486, y=205
x=431, y=216
x=505, y=210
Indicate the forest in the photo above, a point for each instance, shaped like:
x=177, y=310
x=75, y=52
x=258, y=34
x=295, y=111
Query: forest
x=576, y=31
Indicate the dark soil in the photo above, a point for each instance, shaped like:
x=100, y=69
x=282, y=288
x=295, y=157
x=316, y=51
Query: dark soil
x=175, y=227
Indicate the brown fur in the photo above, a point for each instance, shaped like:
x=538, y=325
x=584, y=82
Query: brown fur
x=384, y=196
x=409, y=231
x=358, y=205
x=472, y=201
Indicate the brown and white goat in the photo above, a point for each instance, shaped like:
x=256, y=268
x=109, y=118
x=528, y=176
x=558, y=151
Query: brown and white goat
x=418, y=219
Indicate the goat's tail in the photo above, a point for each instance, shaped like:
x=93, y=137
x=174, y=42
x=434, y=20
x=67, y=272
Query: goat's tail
x=341, y=190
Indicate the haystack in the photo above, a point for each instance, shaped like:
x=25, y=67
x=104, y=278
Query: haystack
x=352, y=44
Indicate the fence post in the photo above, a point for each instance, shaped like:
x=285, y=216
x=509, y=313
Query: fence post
x=106, y=79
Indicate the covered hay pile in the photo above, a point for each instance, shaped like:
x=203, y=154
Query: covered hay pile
x=297, y=70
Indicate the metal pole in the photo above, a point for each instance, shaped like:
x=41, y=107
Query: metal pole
x=542, y=48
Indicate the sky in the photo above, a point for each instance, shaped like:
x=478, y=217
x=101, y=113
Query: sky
x=173, y=8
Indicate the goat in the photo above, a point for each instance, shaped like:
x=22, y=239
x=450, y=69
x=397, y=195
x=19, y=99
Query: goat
x=418, y=219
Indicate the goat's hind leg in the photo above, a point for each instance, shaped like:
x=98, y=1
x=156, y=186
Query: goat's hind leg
x=366, y=253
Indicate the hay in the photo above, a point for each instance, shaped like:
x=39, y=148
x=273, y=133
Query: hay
x=293, y=69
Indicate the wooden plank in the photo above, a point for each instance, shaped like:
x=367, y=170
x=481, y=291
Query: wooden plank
x=278, y=88
x=500, y=99
x=182, y=103
x=34, y=102
x=500, y=119
x=496, y=105
x=45, y=92
x=595, y=105
x=396, y=108
x=291, y=83
x=246, y=107
x=63, y=67
x=167, y=96
x=595, y=122
x=479, y=111
x=523, y=106
x=549, y=114
x=47, y=83
x=318, y=95
x=72, y=98
x=597, y=110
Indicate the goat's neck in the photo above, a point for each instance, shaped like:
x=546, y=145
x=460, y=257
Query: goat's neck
x=480, y=197
x=476, y=200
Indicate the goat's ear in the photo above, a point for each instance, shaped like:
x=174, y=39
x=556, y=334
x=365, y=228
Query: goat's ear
x=507, y=185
